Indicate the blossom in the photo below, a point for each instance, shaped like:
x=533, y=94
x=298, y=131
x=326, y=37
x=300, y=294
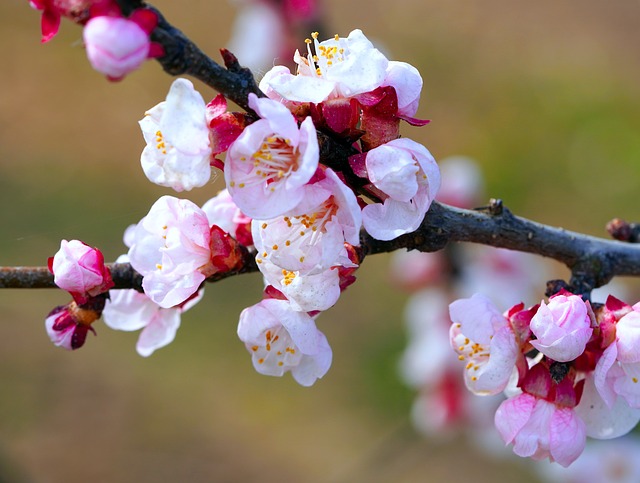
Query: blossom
x=306, y=293
x=406, y=172
x=340, y=67
x=67, y=325
x=281, y=340
x=223, y=212
x=131, y=310
x=177, y=154
x=311, y=239
x=80, y=270
x=270, y=162
x=258, y=35
x=481, y=335
x=542, y=422
x=115, y=46
x=407, y=82
x=53, y=10
x=563, y=327
x=171, y=250
x=461, y=182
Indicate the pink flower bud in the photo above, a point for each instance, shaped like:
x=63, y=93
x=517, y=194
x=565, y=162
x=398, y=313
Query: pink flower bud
x=115, y=46
x=67, y=325
x=80, y=270
x=562, y=327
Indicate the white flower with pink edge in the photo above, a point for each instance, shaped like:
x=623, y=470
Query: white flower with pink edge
x=340, y=67
x=406, y=172
x=562, y=327
x=306, y=293
x=282, y=340
x=80, y=270
x=268, y=165
x=131, y=310
x=178, y=153
x=484, y=339
x=542, y=422
x=311, y=239
x=170, y=249
x=407, y=82
x=223, y=212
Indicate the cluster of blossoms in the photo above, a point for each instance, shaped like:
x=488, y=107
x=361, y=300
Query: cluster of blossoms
x=443, y=406
x=297, y=216
x=570, y=370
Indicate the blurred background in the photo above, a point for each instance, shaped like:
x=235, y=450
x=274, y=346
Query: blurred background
x=544, y=95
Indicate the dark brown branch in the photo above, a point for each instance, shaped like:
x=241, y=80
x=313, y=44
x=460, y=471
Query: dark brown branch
x=593, y=261
x=183, y=57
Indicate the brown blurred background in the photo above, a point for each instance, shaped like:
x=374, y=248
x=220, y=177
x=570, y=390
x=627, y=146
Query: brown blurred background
x=545, y=95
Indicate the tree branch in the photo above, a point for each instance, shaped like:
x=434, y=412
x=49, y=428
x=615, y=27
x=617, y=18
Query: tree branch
x=593, y=261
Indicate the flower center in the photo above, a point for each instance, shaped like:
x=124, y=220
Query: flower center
x=326, y=55
x=277, y=352
x=275, y=160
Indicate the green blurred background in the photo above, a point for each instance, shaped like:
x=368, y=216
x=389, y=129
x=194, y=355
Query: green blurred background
x=545, y=95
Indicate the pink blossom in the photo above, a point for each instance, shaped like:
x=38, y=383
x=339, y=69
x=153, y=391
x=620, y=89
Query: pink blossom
x=340, y=67
x=53, y=10
x=178, y=150
x=542, y=422
x=485, y=340
x=311, y=239
x=67, y=325
x=271, y=161
x=406, y=172
x=258, y=35
x=171, y=249
x=539, y=429
x=80, y=270
x=628, y=336
x=115, y=46
x=131, y=310
x=563, y=327
x=223, y=212
x=407, y=82
x=461, y=182
x=280, y=340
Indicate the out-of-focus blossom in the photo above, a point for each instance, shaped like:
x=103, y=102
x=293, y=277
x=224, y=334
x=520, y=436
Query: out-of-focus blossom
x=282, y=340
x=461, y=182
x=117, y=46
x=258, y=36
x=611, y=462
x=269, y=164
x=311, y=239
x=80, y=270
x=177, y=154
x=54, y=10
x=406, y=172
x=562, y=327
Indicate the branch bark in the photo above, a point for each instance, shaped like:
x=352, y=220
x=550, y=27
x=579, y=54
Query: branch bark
x=593, y=261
